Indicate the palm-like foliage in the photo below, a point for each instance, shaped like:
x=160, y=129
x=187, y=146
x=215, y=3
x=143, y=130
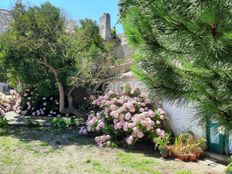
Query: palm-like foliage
x=183, y=51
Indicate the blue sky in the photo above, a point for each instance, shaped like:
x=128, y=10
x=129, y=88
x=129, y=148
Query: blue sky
x=77, y=9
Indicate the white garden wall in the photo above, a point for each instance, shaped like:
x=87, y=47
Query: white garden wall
x=181, y=119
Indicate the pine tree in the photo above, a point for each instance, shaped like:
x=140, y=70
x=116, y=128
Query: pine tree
x=183, y=52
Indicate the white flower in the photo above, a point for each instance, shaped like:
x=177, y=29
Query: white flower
x=45, y=104
x=44, y=98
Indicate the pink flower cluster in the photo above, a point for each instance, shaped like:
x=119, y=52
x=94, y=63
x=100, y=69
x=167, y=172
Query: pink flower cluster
x=7, y=103
x=134, y=115
x=103, y=140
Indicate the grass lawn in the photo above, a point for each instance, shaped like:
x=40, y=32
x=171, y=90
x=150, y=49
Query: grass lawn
x=48, y=151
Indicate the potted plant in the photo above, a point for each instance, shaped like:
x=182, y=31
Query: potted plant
x=192, y=157
x=182, y=156
x=162, y=144
x=180, y=152
x=187, y=147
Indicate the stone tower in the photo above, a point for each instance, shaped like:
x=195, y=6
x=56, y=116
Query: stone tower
x=18, y=1
x=105, y=26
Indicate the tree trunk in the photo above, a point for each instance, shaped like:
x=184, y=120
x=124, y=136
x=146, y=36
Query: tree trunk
x=61, y=98
x=62, y=109
x=71, y=108
x=70, y=101
x=59, y=84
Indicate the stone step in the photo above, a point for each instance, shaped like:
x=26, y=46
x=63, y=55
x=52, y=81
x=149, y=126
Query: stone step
x=217, y=157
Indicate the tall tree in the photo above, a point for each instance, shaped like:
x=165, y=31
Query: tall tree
x=39, y=47
x=183, y=52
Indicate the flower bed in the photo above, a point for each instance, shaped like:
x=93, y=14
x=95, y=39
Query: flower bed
x=124, y=118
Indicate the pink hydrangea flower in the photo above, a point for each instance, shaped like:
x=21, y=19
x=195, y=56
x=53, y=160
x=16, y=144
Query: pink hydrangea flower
x=140, y=134
x=113, y=107
x=128, y=116
x=129, y=140
x=161, y=111
x=162, y=117
x=151, y=113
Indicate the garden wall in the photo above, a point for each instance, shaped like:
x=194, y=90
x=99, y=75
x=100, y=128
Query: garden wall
x=180, y=118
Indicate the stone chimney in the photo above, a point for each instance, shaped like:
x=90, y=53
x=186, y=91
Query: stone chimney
x=18, y=1
x=105, y=26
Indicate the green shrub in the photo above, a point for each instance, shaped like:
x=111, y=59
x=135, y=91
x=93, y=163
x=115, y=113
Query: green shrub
x=63, y=123
x=229, y=160
x=3, y=122
x=229, y=169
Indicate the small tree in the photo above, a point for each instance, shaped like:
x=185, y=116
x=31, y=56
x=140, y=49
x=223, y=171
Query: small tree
x=184, y=51
x=38, y=48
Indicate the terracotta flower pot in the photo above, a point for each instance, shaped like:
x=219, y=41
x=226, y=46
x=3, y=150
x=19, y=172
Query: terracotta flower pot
x=192, y=157
x=182, y=157
x=198, y=154
x=171, y=153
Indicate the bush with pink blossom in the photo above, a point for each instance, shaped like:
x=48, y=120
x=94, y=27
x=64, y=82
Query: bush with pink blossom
x=35, y=104
x=5, y=104
x=125, y=118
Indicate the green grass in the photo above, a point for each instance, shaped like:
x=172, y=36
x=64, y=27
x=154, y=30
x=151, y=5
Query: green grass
x=184, y=172
x=139, y=164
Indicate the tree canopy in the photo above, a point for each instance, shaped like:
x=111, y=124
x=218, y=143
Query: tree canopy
x=40, y=50
x=183, y=52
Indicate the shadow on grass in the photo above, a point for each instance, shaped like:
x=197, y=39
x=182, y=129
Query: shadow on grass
x=57, y=138
x=51, y=137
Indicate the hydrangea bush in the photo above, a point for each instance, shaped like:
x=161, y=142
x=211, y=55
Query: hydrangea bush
x=7, y=103
x=125, y=118
x=32, y=103
x=4, y=104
